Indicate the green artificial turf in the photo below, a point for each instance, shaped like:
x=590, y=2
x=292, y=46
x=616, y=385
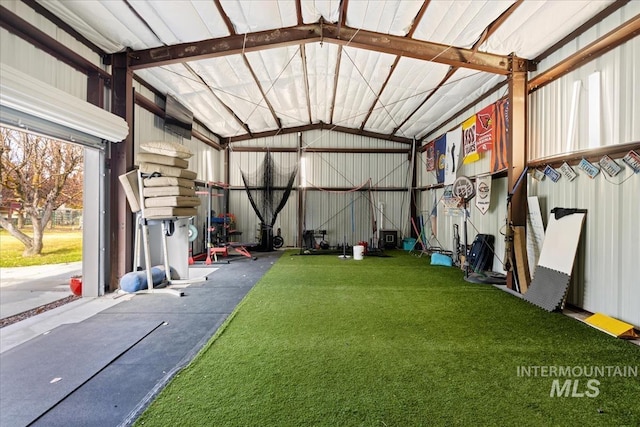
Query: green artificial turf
x=394, y=342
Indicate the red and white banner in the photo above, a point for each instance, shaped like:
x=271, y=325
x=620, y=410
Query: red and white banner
x=485, y=133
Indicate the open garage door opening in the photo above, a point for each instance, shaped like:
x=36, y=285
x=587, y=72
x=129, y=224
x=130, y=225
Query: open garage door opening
x=42, y=219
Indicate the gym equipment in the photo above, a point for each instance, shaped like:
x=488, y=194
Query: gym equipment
x=278, y=241
x=135, y=281
x=309, y=241
x=480, y=257
x=611, y=326
x=553, y=273
x=268, y=190
x=464, y=189
x=143, y=222
x=344, y=249
x=388, y=239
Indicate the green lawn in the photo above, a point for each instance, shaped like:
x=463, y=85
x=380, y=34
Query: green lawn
x=60, y=246
x=321, y=341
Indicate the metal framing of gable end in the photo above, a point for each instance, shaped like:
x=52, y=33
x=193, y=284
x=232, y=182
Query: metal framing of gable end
x=325, y=32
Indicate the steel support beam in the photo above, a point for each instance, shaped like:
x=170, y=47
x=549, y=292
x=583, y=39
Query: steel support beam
x=517, y=158
x=301, y=194
x=406, y=151
x=120, y=162
x=334, y=128
x=612, y=39
x=329, y=33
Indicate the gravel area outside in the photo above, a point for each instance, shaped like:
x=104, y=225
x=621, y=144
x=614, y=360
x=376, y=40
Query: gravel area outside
x=35, y=311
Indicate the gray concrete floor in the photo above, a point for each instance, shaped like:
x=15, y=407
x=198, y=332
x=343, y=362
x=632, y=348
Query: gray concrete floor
x=117, y=393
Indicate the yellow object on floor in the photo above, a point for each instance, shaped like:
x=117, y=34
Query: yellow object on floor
x=611, y=326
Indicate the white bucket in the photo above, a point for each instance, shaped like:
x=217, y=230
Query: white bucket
x=358, y=252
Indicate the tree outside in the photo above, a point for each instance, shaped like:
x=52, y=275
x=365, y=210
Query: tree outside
x=38, y=175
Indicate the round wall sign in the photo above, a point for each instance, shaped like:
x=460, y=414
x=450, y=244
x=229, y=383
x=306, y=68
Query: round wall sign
x=464, y=188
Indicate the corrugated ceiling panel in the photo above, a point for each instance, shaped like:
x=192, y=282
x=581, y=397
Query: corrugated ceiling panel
x=458, y=23
x=252, y=16
x=463, y=87
x=108, y=24
x=362, y=74
x=411, y=82
x=388, y=17
x=312, y=10
x=181, y=21
x=232, y=82
x=549, y=20
x=321, y=68
x=169, y=79
x=281, y=76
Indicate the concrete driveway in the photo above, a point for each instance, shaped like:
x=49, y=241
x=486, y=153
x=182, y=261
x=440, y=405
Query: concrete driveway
x=25, y=288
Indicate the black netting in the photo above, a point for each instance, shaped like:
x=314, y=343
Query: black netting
x=268, y=189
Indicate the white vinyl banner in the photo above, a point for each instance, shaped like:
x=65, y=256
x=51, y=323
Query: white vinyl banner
x=452, y=158
x=483, y=193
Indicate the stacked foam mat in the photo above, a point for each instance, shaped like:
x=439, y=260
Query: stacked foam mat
x=168, y=186
x=552, y=276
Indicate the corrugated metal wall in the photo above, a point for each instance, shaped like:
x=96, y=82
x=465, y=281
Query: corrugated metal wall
x=27, y=58
x=341, y=213
x=491, y=223
x=604, y=277
x=564, y=105
x=552, y=110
